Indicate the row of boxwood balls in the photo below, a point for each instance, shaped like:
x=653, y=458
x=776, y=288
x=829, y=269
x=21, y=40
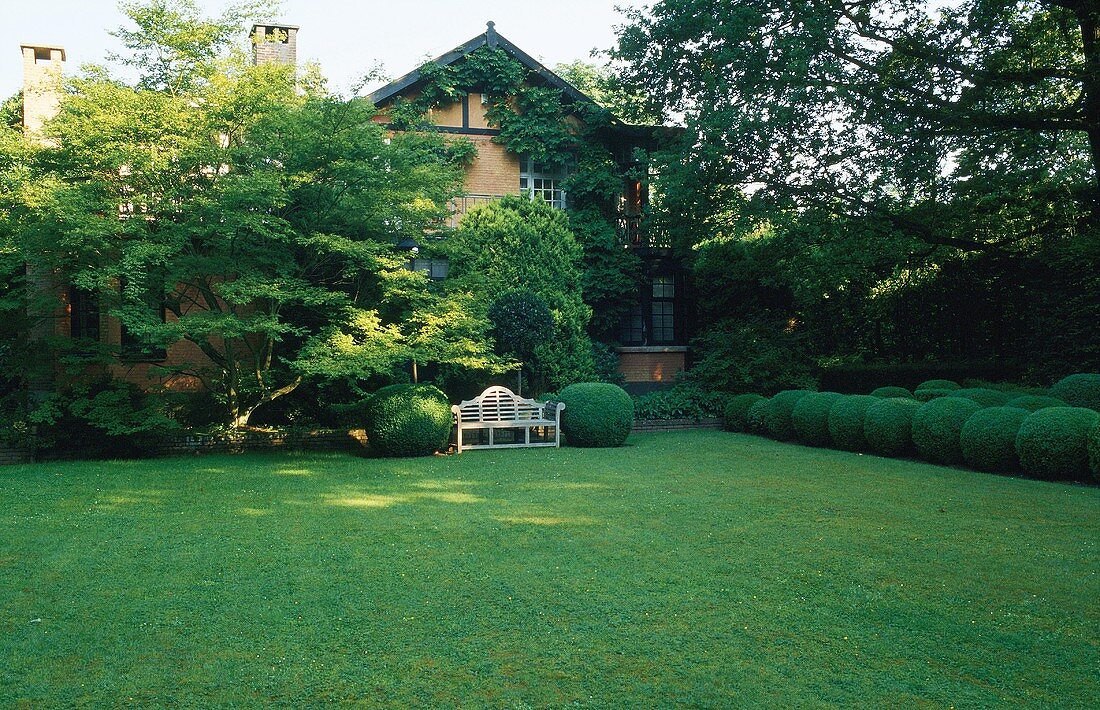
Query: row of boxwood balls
x=1054, y=436
x=415, y=419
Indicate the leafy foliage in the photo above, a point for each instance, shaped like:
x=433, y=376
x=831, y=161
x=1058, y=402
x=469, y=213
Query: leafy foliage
x=735, y=415
x=846, y=418
x=1034, y=403
x=756, y=418
x=937, y=426
x=778, y=413
x=684, y=401
x=596, y=414
x=984, y=396
x=888, y=426
x=890, y=391
x=810, y=418
x=1078, y=390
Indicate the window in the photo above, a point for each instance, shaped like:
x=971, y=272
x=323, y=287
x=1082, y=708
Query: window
x=542, y=181
x=435, y=269
x=633, y=327
x=663, y=309
x=83, y=314
x=132, y=347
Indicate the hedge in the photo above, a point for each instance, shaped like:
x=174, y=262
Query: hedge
x=984, y=396
x=1080, y=390
x=892, y=391
x=846, y=421
x=927, y=395
x=937, y=425
x=408, y=420
x=861, y=378
x=888, y=426
x=777, y=416
x=596, y=414
x=810, y=418
x=1033, y=403
x=938, y=385
x=1094, y=451
x=1053, y=442
x=756, y=417
x=735, y=413
x=988, y=438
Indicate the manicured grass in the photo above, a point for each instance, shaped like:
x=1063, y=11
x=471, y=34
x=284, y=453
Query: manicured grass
x=695, y=568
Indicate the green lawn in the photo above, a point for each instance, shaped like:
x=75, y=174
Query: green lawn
x=697, y=568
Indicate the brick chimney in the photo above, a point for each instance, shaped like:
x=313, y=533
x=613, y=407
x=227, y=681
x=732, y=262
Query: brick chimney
x=41, y=84
x=275, y=44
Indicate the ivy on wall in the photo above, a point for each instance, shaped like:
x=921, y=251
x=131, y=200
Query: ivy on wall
x=540, y=122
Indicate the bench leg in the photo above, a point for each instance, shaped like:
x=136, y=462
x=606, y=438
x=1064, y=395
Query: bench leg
x=527, y=435
x=458, y=438
x=490, y=436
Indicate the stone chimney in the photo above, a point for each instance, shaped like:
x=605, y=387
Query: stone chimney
x=41, y=84
x=275, y=44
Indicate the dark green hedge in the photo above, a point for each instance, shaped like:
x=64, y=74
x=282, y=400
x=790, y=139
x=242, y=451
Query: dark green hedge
x=1080, y=390
x=1094, y=451
x=408, y=420
x=862, y=378
x=988, y=438
x=735, y=414
x=596, y=414
x=1033, y=403
x=984, y=396
x=927, y=395
x=756, y=418
x=936, y=428
x=1053, y=442
x=846, y=421
x=888, y=426
x=810, y=418
x=938, y=385
x=777, y=417
x=891, y=391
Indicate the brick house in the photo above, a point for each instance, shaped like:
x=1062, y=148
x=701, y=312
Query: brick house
x=651, y=341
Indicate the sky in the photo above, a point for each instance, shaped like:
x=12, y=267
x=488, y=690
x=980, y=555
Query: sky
x=346, y=37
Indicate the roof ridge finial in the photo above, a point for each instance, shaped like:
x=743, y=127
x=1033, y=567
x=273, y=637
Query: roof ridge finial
x=491, y=33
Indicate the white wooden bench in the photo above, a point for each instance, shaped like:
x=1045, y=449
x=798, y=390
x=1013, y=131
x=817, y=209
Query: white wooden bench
x=500, y=408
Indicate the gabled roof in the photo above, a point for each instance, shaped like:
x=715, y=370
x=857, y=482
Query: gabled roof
x=489, y=38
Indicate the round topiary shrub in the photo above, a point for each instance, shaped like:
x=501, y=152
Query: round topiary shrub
x=1053, y=442
x=983, y=396
x=810, y=418
x=930, y=394
x=596, y=414
x=846, y=421
x=408, y=420
x=756, y=418
x=1094, y=451
x=1033, y=403
x=777, y=417
x=888, y=426
x=988, y=438
x=936, y=428
x=735, y=413
x=1081, y=390
x=892, y=392
x=938, y=385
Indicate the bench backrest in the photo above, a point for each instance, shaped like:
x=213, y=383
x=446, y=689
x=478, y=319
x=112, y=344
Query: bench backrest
x=499, y=404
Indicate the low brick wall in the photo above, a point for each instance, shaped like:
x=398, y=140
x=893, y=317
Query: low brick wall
x=14, y=454
x=319, y=440
x=643, y=426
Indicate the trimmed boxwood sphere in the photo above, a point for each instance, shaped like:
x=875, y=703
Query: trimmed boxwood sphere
x=777, y=416
x=938, y=385
x=930, y=394
x=936, y=427
x=735, y=413
x=1094, y=451
x=408, y=420
x=1081, y=390
x=810, y=418
x=1033, y=403
x=756, y=417
x=1053, y=442
x=892, y=392
x=846, y=421
x=988, y=438
x=984, y=396
x=596, y=414
x=888, y=426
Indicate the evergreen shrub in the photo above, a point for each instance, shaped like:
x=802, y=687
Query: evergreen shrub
x=408, y=420
x=984, y=396
x=988, y=438
x=1053, y=442
x=596, y=414
x=892, y=392
x=735, y=414
x=937, y=425
x=1033, y=403
x=810, y=418
x=938, y=385
x=1080, y=390
x=888, y=426
x=778, y=414
x=756, y=417
x=846, y=421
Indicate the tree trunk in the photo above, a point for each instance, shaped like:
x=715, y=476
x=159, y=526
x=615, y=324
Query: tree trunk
x=1088, y=15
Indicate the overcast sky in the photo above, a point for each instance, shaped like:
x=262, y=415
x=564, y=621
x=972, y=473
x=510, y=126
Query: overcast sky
x=347, y=37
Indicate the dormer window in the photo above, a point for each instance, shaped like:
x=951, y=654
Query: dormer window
x=542, y=181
